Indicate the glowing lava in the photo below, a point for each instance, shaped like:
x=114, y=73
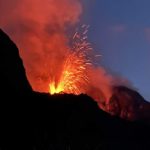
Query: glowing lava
x=74, y=75
x=53, y=89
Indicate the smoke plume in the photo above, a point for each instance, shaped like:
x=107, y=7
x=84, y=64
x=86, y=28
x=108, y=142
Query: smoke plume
x=39, y=29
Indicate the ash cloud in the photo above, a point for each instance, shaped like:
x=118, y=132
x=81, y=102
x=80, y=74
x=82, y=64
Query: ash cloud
x=39, y=29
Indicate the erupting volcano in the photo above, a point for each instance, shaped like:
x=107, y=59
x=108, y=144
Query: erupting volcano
x=61, y=97
x=57, y=63
x=54, y=61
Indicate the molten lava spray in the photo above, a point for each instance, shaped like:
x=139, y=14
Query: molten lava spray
x=74, y=75
x=53, y=62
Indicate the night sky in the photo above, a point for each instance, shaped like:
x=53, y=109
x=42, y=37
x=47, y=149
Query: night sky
x=120, y=31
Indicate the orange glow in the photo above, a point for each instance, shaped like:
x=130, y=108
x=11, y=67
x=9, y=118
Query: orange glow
x=74, y=76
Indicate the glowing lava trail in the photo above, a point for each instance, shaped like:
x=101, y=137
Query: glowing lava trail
x=74, y=75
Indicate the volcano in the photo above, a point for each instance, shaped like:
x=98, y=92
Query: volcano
x=40, y=121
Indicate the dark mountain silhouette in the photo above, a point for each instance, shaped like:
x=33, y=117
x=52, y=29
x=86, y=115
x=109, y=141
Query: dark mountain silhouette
x=13, y=76
x=128, y=104
x=38, y=121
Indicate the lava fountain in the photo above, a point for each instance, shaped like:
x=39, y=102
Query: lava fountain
x=74, y=75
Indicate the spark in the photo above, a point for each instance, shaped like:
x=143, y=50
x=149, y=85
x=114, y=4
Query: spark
x=74, y=75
